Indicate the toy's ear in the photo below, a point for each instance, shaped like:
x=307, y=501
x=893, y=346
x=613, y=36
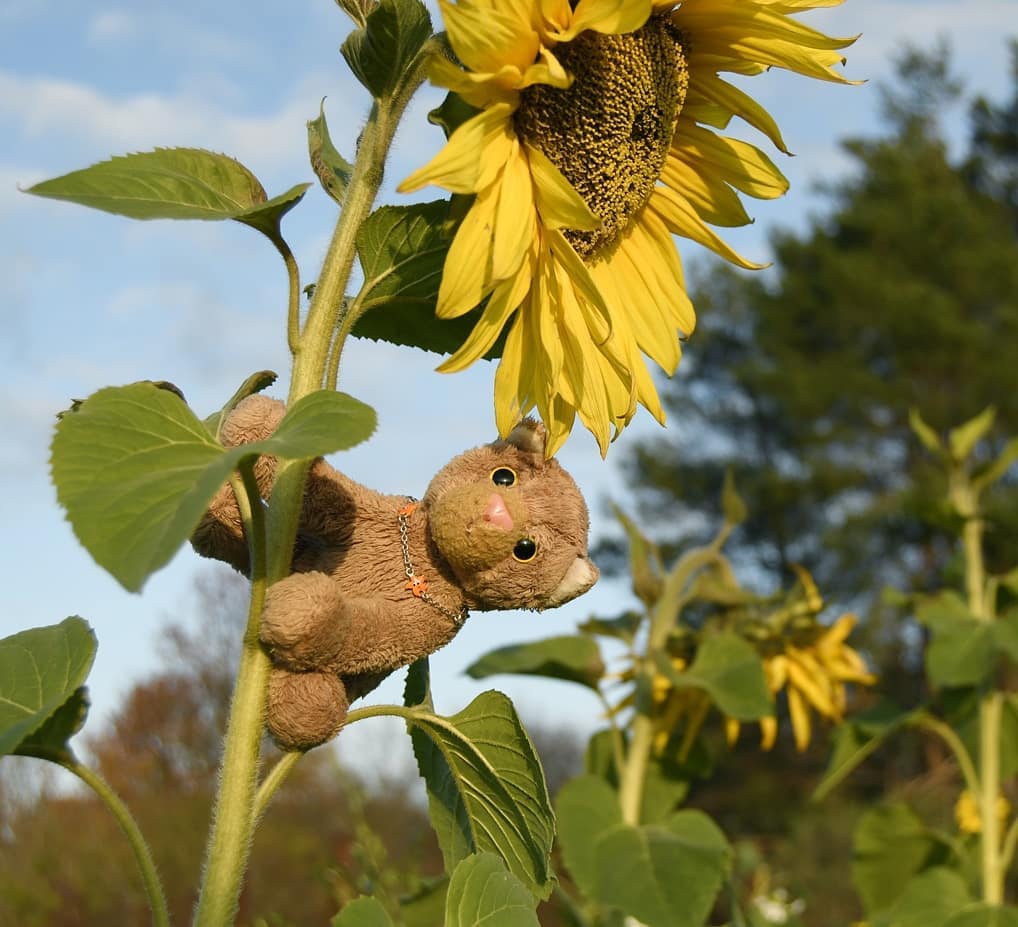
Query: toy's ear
x=581, y=575
x=529, y=436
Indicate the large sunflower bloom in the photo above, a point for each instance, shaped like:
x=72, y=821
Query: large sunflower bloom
x=591, y=148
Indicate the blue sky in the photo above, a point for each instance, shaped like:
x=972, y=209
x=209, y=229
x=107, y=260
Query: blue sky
x=89, y=300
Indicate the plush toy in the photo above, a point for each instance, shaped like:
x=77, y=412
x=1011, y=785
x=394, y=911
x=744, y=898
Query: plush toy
x=379, y=581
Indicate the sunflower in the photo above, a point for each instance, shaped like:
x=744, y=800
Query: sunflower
x=592, y=146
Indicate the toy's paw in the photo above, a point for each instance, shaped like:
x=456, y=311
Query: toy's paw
x=305, y=709
x=304, y=622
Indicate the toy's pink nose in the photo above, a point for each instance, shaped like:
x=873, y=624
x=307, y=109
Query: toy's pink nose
x=497, y=514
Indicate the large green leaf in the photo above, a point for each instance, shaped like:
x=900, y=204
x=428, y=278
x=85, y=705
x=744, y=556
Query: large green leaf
x=42, y=699
x=135, y=469
x=730, y=670
x=426, y=907
x=984, y=915
x=402, y=250
x=572, y=657
x=362, y=912
x=961, y=650
x=586, y=809
x=664, y=876
x=486, y=789
x=931, y=899
x=483, y=893
x=381, y=53
x=891, y=845
x=174, y=183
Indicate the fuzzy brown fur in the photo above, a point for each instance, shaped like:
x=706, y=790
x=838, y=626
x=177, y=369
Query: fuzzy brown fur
x=345, y=619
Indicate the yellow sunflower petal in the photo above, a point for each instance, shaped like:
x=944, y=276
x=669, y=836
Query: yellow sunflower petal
x=742, y=165
x=798, y=711
x=607, y=16
x=738, y=103
x=487, y=36
x=768, y=732
x=681, y=219
x=515, y=221
x=505, y=299
x=509, y=407
x=557, y=201
x=460, y=167
x=466, y=277
x=479, y=90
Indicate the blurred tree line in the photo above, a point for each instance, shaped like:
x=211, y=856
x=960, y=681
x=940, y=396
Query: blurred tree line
x=903, y=294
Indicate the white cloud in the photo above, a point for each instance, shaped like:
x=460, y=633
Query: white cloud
x=57, y=110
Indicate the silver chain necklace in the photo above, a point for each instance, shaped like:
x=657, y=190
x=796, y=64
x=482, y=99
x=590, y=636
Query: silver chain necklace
x=417, y=584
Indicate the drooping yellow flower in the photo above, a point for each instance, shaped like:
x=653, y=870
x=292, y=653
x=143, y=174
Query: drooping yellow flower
x=968, y=817
x=814, y=679
x=592, y=147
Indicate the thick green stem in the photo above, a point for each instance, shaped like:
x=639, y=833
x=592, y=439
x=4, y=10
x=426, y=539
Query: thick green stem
x=235, y=814
x=142, y=853
x=965, y=501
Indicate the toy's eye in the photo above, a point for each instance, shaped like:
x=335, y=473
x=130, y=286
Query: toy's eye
x=525, y=549
x=503, y=476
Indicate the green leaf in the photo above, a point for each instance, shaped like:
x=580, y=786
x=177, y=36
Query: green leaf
x=730, y=670
x=483, y=892
x=331, y=168
x=1004, y=632
x=135, y=469
x=965, y=437
x=732, y=506
x=997, y=468
x=426, y=907
x=402, y=250
x=586, y=809
x=451, y=113
x=624, y=628
x=856, y=740
x=486, y=789
x=362, y=912
x=42, y=671
x=644, y=562
x=663, y=876
x=168, y=183
x=267, y=217
x=961, y=650
x=891, y=845
x=928, y=900
x=417, y=689
x=926, y=435
x=255, y=383
x=574, y=658
x=984, y=915
x=382, y=52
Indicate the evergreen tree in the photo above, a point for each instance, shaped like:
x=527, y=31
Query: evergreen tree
x=904, y=295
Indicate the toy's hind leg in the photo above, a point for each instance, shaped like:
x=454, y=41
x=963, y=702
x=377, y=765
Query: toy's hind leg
x=305, y=709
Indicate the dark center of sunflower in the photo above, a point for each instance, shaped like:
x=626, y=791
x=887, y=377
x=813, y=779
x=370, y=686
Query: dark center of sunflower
x=609, y=132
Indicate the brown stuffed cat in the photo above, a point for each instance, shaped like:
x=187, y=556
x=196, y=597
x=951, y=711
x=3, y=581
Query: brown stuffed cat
x=380, y=581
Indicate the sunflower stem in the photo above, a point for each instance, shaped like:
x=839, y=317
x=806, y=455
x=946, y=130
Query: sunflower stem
x=239, y=802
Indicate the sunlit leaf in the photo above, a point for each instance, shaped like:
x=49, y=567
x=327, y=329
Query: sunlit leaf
x=965, y=437
x=931, y=899
x=382, y=52
x=255, y=383
x=483, y=893
x=268, y=216
x=362, y=912
x=998, y=467
x=984, y=915
x=135, y=469
x=586, y=809
x=891, y=845
x=664, y=876
x=730, y=670
x=644, y=561
x=42, y=672
x=402, y=250
x=961, y=651
x=486, y=789
x=331, y=168
x=732, y=506
x=574, y=658
x=926, y=435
